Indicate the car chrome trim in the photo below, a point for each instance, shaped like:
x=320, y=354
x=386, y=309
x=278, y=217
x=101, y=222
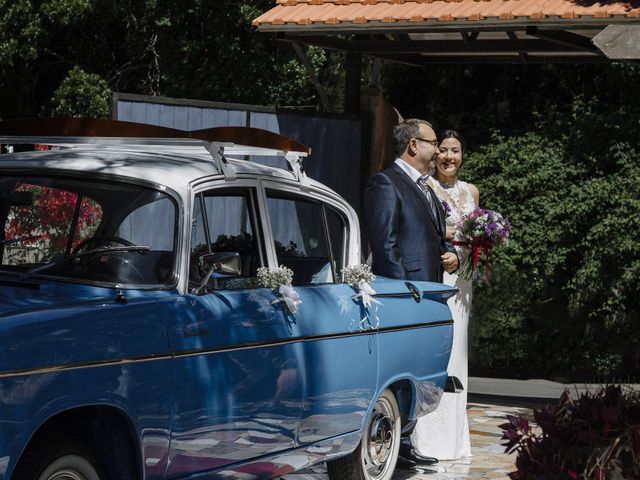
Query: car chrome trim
x=78, y=366
x=193, y=353
x=433, y=294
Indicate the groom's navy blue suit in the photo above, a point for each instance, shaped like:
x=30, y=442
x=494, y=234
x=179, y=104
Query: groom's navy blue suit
x=406, y=238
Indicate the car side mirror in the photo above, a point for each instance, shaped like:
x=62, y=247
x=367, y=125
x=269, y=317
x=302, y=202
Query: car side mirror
x=221, y=263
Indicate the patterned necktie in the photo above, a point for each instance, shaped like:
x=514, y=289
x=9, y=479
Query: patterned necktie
x=428, y=194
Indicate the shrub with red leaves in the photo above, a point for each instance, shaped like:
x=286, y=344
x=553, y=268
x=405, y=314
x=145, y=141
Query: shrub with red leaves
x=45, y=223
x=594, y=437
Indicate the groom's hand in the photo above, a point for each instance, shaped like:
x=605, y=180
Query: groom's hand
x=449, y=262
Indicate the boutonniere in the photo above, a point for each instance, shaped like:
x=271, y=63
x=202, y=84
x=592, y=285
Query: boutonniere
x=279, y=281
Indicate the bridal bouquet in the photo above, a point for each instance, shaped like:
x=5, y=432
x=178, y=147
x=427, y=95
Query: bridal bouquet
x=480, y=231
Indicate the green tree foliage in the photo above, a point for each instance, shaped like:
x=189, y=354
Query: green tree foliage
x=562, y=300
x=477, y=99
x=81, y=94
x=178, y=48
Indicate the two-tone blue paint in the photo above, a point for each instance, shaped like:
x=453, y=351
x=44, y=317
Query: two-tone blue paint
x=221, y=383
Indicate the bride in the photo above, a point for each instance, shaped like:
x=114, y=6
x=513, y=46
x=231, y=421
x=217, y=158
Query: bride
x=444, y=434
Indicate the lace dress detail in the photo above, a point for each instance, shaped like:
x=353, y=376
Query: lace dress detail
x=460, y=200
x=444, y=433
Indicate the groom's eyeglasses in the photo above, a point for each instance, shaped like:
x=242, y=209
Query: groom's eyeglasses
x=432, y=142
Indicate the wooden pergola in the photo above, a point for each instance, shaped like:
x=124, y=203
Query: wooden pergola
x=422, y=32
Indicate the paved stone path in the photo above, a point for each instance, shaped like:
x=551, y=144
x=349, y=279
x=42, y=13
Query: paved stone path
x=487, y=461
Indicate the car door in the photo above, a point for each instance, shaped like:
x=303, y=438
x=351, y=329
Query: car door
x=310, y=235
x=236, y=371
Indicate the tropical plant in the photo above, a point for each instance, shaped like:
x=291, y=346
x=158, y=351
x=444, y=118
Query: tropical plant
x=596, y=437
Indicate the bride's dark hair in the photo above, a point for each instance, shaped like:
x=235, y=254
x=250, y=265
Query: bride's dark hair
x=444, y=134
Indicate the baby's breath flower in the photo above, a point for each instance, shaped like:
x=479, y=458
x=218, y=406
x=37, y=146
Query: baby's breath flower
x=355, y=274
x=274, y=278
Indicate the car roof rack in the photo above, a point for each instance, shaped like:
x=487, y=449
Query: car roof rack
x=219, y=141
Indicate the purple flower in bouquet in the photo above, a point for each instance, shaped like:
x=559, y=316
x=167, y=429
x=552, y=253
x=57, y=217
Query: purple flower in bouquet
x=481, y=230
x=447, y=208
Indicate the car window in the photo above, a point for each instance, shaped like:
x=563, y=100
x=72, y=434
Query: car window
x=164, y=215
x=59, y=226
x=39, y=220
x=224, y=221
x=301, y=242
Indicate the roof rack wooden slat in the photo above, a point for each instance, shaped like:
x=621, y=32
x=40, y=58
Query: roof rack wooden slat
x=83, y=131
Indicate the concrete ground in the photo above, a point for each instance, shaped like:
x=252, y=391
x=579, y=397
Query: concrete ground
x=487, y=461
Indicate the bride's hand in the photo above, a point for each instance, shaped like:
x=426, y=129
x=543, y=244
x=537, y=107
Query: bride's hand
x=451, y=232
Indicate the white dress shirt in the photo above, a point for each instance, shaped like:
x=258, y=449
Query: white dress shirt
x=414, y=174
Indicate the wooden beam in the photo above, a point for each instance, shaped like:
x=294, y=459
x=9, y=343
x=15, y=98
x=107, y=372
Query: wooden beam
x=562, y=38
x=468, y=37
x=408, y=60
x=328, y=42
x=514, y=39
x=401, y=37
x=461, y=59
x=377, y=47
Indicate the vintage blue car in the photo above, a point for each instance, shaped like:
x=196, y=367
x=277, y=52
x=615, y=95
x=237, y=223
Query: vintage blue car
x=137, y=343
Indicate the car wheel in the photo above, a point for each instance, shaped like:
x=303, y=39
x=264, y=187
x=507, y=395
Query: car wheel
x=66, y=461
x=376, y=456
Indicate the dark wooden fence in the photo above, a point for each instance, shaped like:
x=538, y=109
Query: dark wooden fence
x=336, y=140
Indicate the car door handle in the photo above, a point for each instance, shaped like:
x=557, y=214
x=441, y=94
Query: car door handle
x=195, y=329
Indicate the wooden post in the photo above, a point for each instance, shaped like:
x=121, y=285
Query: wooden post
x=353, y=75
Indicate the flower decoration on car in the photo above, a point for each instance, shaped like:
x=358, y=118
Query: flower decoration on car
x=279, y=280
x=360, y=278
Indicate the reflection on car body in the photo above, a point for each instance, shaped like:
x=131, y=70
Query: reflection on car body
x=137, y=343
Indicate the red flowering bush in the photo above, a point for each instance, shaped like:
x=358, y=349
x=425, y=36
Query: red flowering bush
x=45, y=224
x=596, y=436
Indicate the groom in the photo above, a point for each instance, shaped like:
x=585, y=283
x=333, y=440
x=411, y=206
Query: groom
x=406, y=225
x=404, y=218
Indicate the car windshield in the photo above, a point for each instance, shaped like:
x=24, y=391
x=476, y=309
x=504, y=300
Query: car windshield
x=86, y=230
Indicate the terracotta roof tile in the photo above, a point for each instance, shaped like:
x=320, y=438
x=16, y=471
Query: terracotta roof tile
x=361, y=12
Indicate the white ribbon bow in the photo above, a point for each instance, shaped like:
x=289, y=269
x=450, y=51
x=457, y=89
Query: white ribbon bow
x=290, y=297
x=366, y=292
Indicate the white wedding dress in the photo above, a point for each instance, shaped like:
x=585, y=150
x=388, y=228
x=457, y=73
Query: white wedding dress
x=444, y=433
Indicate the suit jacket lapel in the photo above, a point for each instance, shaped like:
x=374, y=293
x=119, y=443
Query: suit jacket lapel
x=442, y=223
x=416, y=189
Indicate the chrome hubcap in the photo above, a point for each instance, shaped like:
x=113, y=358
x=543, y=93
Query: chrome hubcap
x=380, y=439
x=379, y=443
x=66, y=474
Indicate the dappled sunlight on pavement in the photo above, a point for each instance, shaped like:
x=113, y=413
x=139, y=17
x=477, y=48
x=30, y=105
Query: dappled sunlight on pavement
x=487, y=461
